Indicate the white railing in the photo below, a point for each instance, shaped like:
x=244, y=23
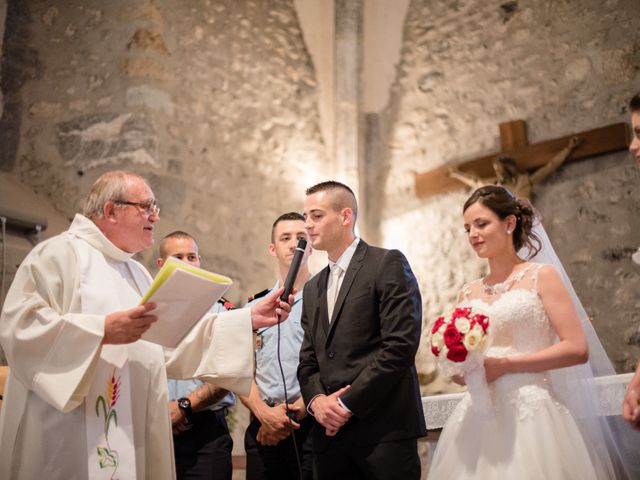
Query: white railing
x=438, y=408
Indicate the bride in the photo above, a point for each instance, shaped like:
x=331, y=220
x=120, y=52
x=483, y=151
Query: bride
x=538, y=427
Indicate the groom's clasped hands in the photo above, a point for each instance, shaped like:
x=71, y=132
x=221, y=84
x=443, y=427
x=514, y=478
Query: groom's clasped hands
x=329, y=412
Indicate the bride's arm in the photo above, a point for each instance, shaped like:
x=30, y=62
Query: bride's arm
x=572, y=348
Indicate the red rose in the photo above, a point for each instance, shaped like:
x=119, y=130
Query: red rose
x=461, y=312
x=457, y=353
x=451, y=335
x=437, y=325
x=483, y=320
x=435, y=351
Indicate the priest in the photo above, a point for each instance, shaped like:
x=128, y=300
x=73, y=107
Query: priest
x=86, y=397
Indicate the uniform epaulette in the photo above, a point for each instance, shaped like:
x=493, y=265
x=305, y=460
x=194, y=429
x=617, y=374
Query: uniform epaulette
x=258, y=295
x=227, y=304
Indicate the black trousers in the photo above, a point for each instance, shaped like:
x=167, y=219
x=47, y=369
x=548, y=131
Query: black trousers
x=342, y=460
x=278, y=462
x=204, y=451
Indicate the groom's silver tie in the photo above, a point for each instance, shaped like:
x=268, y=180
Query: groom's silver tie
x=333, y=288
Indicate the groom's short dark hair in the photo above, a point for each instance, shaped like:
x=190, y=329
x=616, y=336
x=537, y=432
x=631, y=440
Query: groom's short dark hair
x=341, y=195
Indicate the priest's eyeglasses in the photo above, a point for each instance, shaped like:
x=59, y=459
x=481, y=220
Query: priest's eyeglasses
x=150, y=208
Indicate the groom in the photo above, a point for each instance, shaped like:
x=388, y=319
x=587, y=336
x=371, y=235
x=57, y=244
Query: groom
x=362, y=321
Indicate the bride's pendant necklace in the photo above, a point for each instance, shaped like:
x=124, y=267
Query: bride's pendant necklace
x=502, y=287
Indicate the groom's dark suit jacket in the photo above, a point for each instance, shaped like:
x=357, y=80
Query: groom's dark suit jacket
x=370, y=344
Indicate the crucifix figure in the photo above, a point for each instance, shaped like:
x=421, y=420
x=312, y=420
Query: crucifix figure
x=534, y=162
x=508, y=175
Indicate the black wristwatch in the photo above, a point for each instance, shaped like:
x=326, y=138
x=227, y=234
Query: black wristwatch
x=184, y=404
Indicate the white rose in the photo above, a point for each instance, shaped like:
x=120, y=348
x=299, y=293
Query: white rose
x=463, y=324
x=478, y=328
x=444, y=351
x=437, y=340
x=442, y=328
x=472, y=340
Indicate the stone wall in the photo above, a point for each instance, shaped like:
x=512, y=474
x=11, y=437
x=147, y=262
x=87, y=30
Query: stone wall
x=213, y=101
x=3, y=13
x=563, y=67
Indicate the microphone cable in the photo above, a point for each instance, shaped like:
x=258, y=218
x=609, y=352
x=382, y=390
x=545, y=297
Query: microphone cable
x=289, y=413
x=294, y=268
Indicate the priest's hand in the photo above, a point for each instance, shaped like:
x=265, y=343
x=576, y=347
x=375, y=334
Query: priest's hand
x=129, y=325
x=266, y=312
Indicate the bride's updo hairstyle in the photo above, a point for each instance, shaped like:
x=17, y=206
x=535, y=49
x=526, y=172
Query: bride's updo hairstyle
x=504, y=203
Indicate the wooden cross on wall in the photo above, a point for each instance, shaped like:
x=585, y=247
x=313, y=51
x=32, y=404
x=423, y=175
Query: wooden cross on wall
x=514, y=143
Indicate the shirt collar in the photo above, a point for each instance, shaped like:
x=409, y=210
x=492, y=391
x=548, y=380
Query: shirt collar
x=84, y=228
x=345, y=259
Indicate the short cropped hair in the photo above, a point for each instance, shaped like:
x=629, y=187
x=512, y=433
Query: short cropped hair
x=110, y=186
x=284, y=217
x=340, y=196
x=175, y=234
x=634, y=103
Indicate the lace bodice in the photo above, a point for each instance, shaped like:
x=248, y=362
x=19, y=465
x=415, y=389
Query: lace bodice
x=518, y=321
x=518, y=324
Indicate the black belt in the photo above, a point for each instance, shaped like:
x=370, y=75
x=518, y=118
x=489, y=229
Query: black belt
x=208, y=413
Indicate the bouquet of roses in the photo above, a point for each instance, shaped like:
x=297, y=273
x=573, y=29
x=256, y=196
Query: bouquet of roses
x=459, y=342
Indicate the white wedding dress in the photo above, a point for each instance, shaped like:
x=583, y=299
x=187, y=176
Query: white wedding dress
x=529, y=433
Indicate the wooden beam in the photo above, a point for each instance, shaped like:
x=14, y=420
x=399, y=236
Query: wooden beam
x=513, y=135
x=598, y=141
x=4, y=373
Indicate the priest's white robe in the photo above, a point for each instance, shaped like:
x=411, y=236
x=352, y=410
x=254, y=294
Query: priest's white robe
x=52, y=345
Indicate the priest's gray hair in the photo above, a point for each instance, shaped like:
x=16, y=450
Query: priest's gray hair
x=110, y=186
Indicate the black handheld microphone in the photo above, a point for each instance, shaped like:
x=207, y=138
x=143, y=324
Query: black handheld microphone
x=293, y=269
x=288, y=287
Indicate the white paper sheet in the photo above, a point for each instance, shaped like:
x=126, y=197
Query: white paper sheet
x=182, y=300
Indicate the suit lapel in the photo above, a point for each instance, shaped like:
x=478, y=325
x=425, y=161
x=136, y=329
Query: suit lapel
x=323, y=277
x=354, y=266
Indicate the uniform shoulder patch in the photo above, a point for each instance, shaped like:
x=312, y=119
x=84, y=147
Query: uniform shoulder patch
x=258, y=295
x=227, y=304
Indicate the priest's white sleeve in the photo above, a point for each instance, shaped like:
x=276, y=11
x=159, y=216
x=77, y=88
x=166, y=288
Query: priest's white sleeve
x=51, y=350
x=218, y=350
